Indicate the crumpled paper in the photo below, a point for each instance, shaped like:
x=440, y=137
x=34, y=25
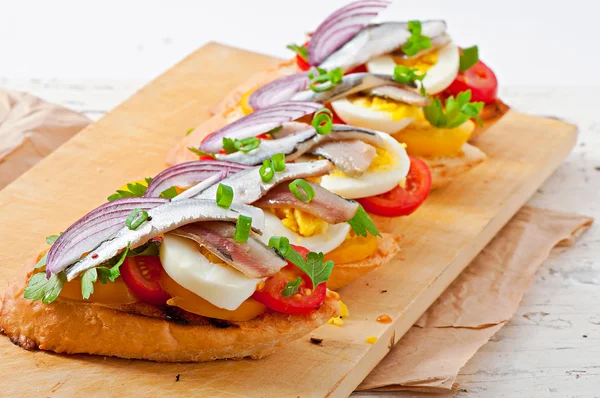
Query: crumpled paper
x=30, y=129
x=475, y=306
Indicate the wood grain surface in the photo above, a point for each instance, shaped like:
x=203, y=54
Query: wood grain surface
x=131, y=142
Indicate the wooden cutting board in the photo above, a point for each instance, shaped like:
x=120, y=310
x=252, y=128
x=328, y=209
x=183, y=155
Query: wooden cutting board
x=131, y=142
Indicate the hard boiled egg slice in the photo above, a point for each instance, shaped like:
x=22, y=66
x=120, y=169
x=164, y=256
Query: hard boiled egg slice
x=389, y=168
x=326, y=241
x=219, y=284
x=439, y=75
x=375, y=113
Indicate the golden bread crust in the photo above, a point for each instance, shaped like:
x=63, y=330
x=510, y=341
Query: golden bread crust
x=388, y=245
x=147, y=332
x=444, y=170
x=490, y=114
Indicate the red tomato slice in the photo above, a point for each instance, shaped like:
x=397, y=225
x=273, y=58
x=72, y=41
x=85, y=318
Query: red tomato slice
x=480, y=80
x=142, y=275
x=402, y=201
x=303, y=302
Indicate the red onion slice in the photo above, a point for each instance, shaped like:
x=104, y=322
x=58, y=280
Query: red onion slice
x=279, y=90
x=92, y=229
x=341, y=26
x=259, y=122
x=190, y=173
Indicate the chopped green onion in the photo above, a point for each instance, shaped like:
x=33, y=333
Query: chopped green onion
x=200, y=152
x=242, y=228
x=282, y=245
x=266, y=171
x=302, y=190
x=468, y=57
x=136, y=218
x=278, y=162
x=416, y=42
x=245, y=145
x=229, y=145
x=224, y=196
x=190, y=131
x=321, y=80
x=300, y=50
x=322, y=121
x=291, y=287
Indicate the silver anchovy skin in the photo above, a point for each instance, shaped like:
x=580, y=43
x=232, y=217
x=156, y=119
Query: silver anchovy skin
x=352, y=157
x=248, y=187
x=400, y=94
x=161, y=219
x=296, y=145
x=375, y=40
x=350, y=84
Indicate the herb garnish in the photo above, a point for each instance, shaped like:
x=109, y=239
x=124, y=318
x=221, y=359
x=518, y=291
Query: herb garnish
x=134, y=190
x=291, y=287
x=302, y=51
x=417, y=41
x=361, y=223
x=322, y=80
x=468, y=57
x=456, y=112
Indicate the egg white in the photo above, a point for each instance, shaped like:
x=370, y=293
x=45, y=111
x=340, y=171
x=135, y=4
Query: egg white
x=373, y=182
x=356, y=115
x=438, y=77
x=221, y=285
x=324, y=242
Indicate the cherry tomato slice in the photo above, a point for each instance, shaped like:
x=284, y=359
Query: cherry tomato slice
x=142, y=276
x=402, y=201
x=303, y=302
x=480, y=80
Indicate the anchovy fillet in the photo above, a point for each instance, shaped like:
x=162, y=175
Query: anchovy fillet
x=400, y=94
x=375, y=40
x=161, y=219
x=253, y=258
x=352, y=157
x=248, y=186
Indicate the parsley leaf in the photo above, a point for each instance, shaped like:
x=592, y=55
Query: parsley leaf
x=52, y=238
x=416, y=42
x=49, y=240
x=361, y=223
x=110, y=274
x=45, y=289
x=291, y=287
x=87, y=282
x=169, y=193
x=457, y=111
x=302, y=51
x=245, y=145
x=190, y=131
x=313, y=266
x=200, y=152
x=468, y=58
x=134, y=190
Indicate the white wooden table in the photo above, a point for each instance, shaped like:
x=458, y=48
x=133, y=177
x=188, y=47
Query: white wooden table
x=552, y=345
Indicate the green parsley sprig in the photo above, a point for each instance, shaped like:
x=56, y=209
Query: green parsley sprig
x=302, y=51
x=361, y=223
x=317, y=270
x=468, y=57
x=410, y=76
x=134, y=190
x=455, y=112
x=417, y=41
x=291, y=287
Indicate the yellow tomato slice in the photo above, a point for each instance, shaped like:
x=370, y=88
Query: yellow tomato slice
x=190, y=302
x=423, y=140
x=354, y=248
x=112, y=293
x=244, y=104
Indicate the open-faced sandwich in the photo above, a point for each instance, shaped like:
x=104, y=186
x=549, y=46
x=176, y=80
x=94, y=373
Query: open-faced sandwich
x=407, y=79
x=207, y=260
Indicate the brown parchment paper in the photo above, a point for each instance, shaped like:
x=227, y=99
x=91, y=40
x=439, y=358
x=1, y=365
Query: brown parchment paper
x=30, y=129
x=475, y=306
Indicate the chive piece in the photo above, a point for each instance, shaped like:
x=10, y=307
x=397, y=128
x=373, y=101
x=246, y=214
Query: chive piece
x=321, y=80
x=242, y=229
x=302, y=190
x=224, y=196
x=266, y=171
x=278, y=162
x=322, y=121
x=136, y=218
x=247, y=144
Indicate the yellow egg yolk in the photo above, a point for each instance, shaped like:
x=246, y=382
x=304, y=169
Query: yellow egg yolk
x=397, y=110
x=300, y=222
x=422, y=63
x=244, y=104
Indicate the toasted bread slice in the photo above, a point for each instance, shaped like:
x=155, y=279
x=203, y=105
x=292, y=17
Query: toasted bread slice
x=444, y=170
x=163, y=334
x=388, y=246
x=490, y=114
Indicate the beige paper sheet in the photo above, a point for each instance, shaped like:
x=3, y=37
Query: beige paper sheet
x=476, y=305
x=30, y=129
